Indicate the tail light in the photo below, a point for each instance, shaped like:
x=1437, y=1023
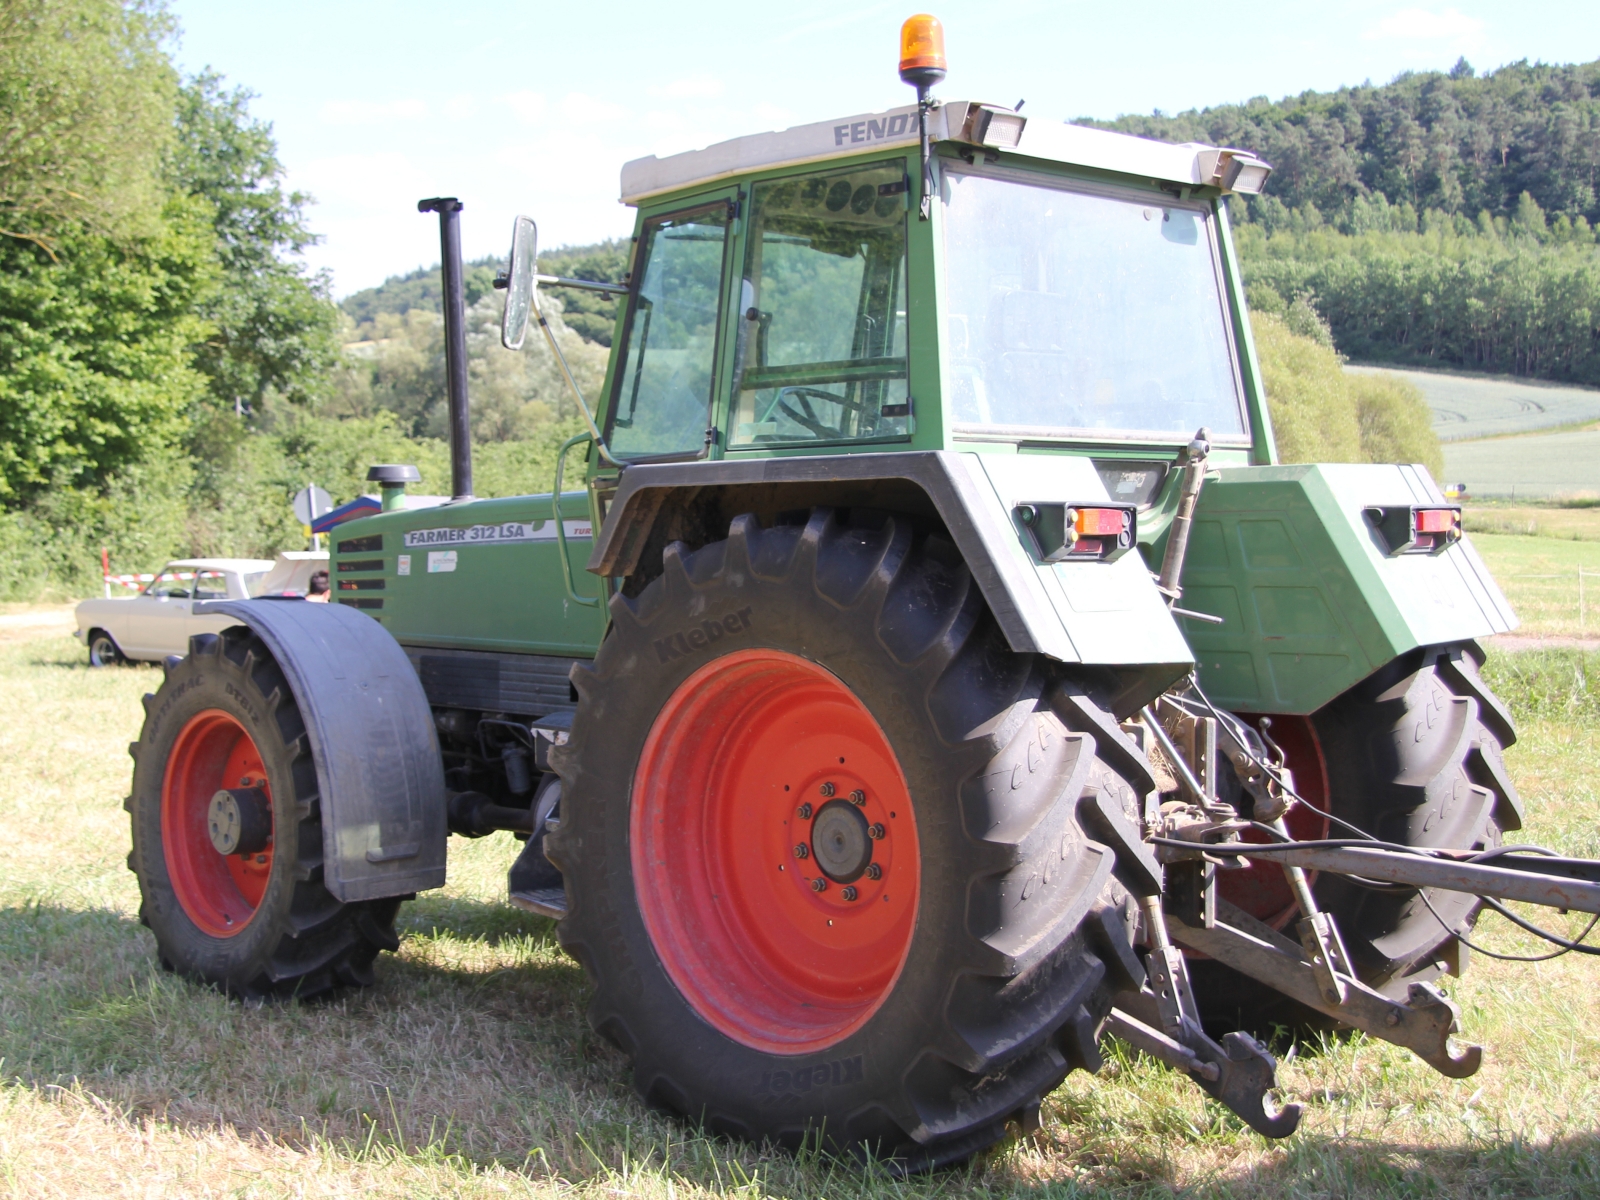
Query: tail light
x=1070, y=532
x=1415, y=529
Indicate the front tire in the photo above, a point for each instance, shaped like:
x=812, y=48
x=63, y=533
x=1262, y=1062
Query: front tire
x=255, y=921
x=821, y=850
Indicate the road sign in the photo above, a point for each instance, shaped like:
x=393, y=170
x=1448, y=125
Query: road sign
x=311, y=503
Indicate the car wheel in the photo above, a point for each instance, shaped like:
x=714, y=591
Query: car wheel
x=103, y=650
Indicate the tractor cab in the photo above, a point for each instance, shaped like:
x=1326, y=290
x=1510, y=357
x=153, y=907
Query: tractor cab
x=1062, y=289
x=1068, y=288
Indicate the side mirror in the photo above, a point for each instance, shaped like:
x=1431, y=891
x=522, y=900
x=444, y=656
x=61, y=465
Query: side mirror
x=521, y=283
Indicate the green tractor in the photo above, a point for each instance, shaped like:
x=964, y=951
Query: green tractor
x=936, y=673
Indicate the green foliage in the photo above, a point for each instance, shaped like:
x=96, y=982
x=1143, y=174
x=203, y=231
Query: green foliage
x=1459, y=143
x=86, y=96
x=395, y=363
x=1418, y=213
x=1507, y=300
x=273, y=328
x=1322, y=413
x=420, y=289
x=95, y=364
x=590, y=314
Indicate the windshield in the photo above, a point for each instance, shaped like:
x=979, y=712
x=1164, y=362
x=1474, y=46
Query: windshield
x=1074, y=311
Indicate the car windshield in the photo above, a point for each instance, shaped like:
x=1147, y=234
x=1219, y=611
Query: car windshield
x=253, y=581
x=1076, y=311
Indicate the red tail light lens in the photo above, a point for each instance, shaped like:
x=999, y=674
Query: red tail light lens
x=1413, y=529
x=1438, y=520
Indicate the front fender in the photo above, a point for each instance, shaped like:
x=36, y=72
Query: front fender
x=380, y=779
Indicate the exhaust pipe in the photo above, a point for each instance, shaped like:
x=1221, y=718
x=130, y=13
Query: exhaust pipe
x=455, y=341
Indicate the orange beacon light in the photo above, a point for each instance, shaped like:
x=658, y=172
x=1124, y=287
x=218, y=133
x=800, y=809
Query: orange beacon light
x=922, y=51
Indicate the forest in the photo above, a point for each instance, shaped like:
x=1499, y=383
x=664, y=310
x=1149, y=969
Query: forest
x=171, y=373
x=1444, y=219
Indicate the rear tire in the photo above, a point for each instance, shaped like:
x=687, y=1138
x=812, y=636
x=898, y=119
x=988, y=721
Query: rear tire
x=1412, y=755
x=254, y=924
x=968, y=977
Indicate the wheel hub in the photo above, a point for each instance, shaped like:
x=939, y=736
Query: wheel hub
x=239, y=821
x=840, y=842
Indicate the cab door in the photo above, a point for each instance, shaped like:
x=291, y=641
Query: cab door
x=661, y=404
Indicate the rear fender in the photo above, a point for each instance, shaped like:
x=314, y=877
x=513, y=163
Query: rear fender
x=1312, y=599
x=1104, y=614
x=379, y=775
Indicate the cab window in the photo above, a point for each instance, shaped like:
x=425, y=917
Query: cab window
x=663, y=403
x=821, y=354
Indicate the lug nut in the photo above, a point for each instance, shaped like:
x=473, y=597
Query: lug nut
x=819, y=884
x=874, y=871
x=858, y=797
x=826, y=790
x=805, y=812
x=875, y=831
x=802, y=850
x=849, y=893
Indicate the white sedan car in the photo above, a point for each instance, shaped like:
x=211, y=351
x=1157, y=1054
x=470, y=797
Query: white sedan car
x=159, y=621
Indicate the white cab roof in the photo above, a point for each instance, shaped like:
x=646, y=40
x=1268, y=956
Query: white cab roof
x=896, y=129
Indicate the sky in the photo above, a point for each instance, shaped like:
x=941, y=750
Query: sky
x=533, y=107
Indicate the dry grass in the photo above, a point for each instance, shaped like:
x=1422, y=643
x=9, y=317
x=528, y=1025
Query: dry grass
x=1539, y=575
x=468, y=1071
x=1577, y=524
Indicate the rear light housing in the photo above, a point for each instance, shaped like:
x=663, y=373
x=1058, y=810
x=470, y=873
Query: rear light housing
x=1415, y=528
x=1076, y=532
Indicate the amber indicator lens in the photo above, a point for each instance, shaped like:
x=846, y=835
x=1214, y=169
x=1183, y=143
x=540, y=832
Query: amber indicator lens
x=921, y=44
x=1101, y=522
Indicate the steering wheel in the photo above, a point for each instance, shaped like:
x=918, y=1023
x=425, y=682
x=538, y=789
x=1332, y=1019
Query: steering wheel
x=809, y=419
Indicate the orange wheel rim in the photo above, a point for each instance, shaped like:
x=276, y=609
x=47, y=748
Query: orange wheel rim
x=763, y=775
x=219, y=893
x=1260, y=889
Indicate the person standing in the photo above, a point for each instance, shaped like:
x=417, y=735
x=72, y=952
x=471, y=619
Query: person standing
x=318, y=591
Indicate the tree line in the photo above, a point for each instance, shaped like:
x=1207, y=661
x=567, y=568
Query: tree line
x=1444, y=219
x=1455, y=142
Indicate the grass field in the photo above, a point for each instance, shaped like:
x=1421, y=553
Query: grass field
x=1537, y=465
x=1467, y=406
x=1539, y=575
x=469, y=1071
x=1572, y=523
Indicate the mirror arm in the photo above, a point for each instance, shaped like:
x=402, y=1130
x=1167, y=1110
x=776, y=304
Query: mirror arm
x=588, y=285
x=566, y=373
